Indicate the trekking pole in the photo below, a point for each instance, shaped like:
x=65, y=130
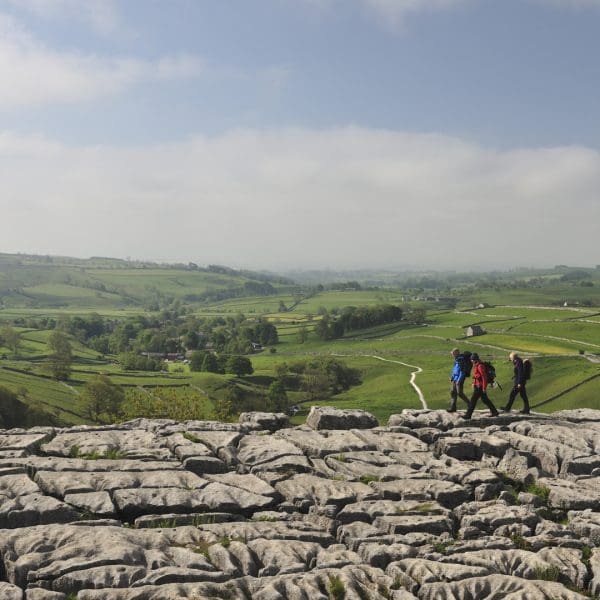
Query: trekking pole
x=498, y=384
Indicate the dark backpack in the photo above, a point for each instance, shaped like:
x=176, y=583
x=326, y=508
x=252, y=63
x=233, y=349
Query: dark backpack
x=490, y=371
x=467, y=365
x=527, y=369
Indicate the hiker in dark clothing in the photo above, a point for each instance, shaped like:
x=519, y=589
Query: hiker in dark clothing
x=457, y=378
x=519, y=382
x=480, y=382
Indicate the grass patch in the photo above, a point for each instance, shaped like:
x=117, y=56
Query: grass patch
x=541, y=491
x=337, y=590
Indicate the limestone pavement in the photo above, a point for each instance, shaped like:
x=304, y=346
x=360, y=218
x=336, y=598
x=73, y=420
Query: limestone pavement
x=429, y=507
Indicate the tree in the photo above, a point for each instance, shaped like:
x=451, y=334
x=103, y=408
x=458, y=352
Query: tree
x=197, y=360
x=103, y=399
x=60, y=357
x=302, y=334
x=210, y=364
x=277, y=399
x=10, y=338
x=239, y=365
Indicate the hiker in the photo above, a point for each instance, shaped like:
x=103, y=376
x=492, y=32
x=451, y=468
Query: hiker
x=520, y=380
x=480, y=382
x=457, y=378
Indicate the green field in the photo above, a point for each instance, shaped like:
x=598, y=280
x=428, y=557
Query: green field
x=563, y=342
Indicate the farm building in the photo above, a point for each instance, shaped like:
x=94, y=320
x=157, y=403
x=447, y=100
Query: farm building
x=474, y=330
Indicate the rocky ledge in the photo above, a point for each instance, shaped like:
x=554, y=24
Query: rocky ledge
x=429, y=507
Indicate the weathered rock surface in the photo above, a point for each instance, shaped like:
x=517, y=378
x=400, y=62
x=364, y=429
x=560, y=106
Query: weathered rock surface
x=429, y=507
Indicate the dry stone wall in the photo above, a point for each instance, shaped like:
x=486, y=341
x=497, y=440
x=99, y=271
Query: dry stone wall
x=428, y=507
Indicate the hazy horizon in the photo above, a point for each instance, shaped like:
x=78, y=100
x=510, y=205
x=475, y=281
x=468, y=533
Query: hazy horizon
x=303, y=134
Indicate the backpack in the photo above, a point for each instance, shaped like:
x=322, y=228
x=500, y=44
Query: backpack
x=467, y=365
x=527, y=369
x=490, y=372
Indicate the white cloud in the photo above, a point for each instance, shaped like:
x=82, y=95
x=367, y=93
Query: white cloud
x=346, y=197
x=396, y=10
x=101, y=15
x=33, y=74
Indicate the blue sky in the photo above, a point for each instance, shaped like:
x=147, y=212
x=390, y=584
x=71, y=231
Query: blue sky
x=304, y=125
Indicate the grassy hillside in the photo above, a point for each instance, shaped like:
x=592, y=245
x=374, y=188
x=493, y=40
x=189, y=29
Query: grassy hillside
x=524, y=316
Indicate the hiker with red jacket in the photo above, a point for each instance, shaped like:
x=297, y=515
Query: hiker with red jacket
x=480, y=382
x=520, y=381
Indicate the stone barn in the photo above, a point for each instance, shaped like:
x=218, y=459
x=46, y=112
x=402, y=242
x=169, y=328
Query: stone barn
x=474, y=330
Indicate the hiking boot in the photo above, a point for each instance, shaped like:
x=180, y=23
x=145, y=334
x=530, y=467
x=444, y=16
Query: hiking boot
x=525, y=411
x=451, y=409
x=505, y=409
x=465, y=416
x=495, y=414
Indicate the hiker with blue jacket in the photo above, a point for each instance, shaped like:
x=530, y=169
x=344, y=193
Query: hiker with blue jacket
x=457, y=378
x=519, y=382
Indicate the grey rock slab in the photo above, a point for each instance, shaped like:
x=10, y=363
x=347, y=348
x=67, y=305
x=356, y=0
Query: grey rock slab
x=254, y=450
x=264, y=420
x=283, y=556
x=573, y=495
x=134, y=443
x=133, y=503
x=42, y=594
x=569, y=563
x=97, y=503
x=284, y=465
x=178, y=520
x=34, y=509
x=61, y=483
x=183, y=448
x=446, y=493
x=417, y=419
x=326, y=417
x=106, y=576
x=25, y=441
x=389, y=441
x=497, y=587
x=53, y=463
x=164, y=575
x=235, y=560
x=381, y=555
x=247, y=482
x=336, y=557
x=494, y=515
x=594, y=585
x=15, y=485
x=310, y=489
x=432, y=571
x=424, y=523
x=319, y=444
x=272, y=530
x=549, y=455
x=586, y=524
x=368, y=511
x=520, y=563
x=10, y=592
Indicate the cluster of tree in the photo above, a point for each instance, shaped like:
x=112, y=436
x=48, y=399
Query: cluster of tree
x=318, y=378
x=131, y=361
x=16, y=413
x=60, y=355
x=351, y=318
x=210, y=362
x=10, y=338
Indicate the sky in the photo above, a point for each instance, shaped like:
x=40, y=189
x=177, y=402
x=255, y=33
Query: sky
x=302, y=134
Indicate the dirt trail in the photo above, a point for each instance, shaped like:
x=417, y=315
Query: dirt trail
x=413, y=376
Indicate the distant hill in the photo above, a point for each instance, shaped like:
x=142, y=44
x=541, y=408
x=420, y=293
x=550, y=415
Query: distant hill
x=99, y=283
